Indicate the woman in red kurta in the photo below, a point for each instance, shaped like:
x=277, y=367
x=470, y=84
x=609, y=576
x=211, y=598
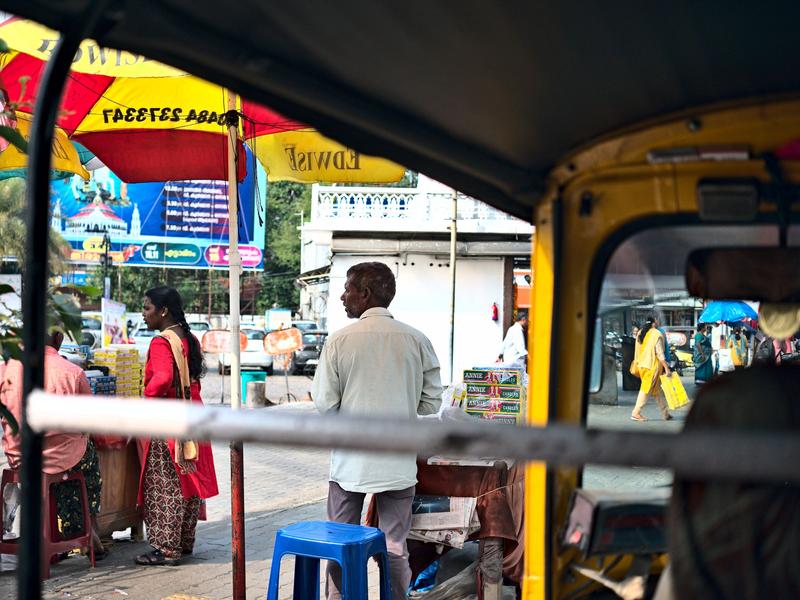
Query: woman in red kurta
x=170, y=489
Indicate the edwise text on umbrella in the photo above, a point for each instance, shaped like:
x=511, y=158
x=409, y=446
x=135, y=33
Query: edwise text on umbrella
x=343, y=160
x=96, y=54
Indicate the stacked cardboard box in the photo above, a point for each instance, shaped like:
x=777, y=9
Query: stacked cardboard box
x=102, y=385
x=142, y=360
x=495, y=393
x=122, y=362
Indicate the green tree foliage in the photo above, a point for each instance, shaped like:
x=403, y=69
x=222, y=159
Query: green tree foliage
x=63, y=314
x=13, y=233
x=285, y=202
x=259, y=291
x=129, y=284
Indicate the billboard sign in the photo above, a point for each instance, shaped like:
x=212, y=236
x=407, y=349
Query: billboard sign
x=182, y=224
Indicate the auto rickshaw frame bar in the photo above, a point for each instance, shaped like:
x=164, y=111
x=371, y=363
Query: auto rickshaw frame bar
x=738, y=455
x=34, y=296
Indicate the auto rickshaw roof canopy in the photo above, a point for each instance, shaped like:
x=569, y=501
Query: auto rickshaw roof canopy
x=484, y=96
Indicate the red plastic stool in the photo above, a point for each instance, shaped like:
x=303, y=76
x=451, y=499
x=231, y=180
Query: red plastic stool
x=52, y=542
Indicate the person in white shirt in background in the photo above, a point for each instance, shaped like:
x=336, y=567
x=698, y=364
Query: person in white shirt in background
x=515, y=351
x=375, y=367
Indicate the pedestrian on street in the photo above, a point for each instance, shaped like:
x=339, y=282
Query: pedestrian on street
x=667, y=350
x=514, y=352
x=650, y=364
x=701, y=355
x=738, y=347
x=61, y=452
x=376, y=366
x=176, y=475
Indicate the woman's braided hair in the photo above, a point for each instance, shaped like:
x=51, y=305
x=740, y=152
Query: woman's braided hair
x=169, y=298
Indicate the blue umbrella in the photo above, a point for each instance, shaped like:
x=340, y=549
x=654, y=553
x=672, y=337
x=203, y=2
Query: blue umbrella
x=727, y=312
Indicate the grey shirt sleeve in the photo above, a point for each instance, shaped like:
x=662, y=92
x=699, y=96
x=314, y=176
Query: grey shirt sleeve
x=431, y=396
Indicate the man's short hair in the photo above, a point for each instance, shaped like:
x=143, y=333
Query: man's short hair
x=377, y=277
x=523, y=314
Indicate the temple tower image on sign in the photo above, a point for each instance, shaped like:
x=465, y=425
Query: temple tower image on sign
x=56, y=221
x=136, y=222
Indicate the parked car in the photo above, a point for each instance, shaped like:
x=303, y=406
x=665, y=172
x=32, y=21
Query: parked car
x=91, y=322
x=198, y=329
x=253, y=357
x=306, y=325
x=305, y=359
x=142, y=336
x=92, y=338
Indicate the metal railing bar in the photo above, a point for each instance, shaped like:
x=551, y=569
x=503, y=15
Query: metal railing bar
x=706, y=454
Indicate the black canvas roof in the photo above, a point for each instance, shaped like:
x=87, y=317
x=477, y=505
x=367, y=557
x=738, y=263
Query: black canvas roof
x=483, y=95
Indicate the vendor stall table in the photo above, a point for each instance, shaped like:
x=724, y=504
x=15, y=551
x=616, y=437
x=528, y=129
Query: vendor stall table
x=499, y=490
x=119, y=468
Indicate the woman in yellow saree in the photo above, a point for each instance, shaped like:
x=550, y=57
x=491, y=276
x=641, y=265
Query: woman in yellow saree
x=650, y=364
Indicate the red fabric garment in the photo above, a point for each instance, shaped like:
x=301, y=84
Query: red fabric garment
x=158, y=383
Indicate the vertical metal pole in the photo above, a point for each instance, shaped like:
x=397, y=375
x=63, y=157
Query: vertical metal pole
x=210, y=298
x=34, y=297
x=453, y=241
x=235, y=269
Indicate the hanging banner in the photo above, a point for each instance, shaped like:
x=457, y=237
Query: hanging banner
x=115, y=329
x=178, y=224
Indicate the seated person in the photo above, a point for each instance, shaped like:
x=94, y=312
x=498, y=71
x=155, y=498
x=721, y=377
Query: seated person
x=61, y=451
x=738, y=539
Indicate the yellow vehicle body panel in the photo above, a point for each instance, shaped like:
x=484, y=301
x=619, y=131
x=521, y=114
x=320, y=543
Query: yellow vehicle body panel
x=598, y=194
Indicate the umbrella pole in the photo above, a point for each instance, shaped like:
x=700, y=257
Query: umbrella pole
x=235, y=267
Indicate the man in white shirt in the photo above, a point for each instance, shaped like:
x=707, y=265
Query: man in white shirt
x=378, y=367
x=515, y=350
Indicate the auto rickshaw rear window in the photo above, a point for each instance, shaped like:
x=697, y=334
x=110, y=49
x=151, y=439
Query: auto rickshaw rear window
x=656, y=345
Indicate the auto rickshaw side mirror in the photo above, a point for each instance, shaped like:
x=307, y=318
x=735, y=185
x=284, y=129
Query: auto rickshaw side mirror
x=761, y=274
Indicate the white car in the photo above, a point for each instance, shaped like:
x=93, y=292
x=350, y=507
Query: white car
x=198, y=329
x=305, y=325
x=142, y=336
x=253, y=357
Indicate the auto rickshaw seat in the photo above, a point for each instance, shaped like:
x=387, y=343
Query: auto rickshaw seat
x=737, y=538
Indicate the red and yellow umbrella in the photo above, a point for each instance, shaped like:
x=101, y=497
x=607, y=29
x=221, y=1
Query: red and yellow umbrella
x=150, y=122
x=65, y=159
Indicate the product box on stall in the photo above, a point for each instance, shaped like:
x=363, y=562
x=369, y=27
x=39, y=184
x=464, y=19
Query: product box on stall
x=507, y=419
x=499, y=376
x=102, y=385
x=491, y=390
x=493, y=405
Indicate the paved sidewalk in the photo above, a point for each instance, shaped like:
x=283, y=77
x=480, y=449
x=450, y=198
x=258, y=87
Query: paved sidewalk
x=282, y=486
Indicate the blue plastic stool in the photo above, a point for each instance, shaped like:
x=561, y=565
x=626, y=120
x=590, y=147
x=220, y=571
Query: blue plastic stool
x=349, y=545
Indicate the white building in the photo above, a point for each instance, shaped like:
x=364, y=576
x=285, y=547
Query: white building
x=409, y=230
